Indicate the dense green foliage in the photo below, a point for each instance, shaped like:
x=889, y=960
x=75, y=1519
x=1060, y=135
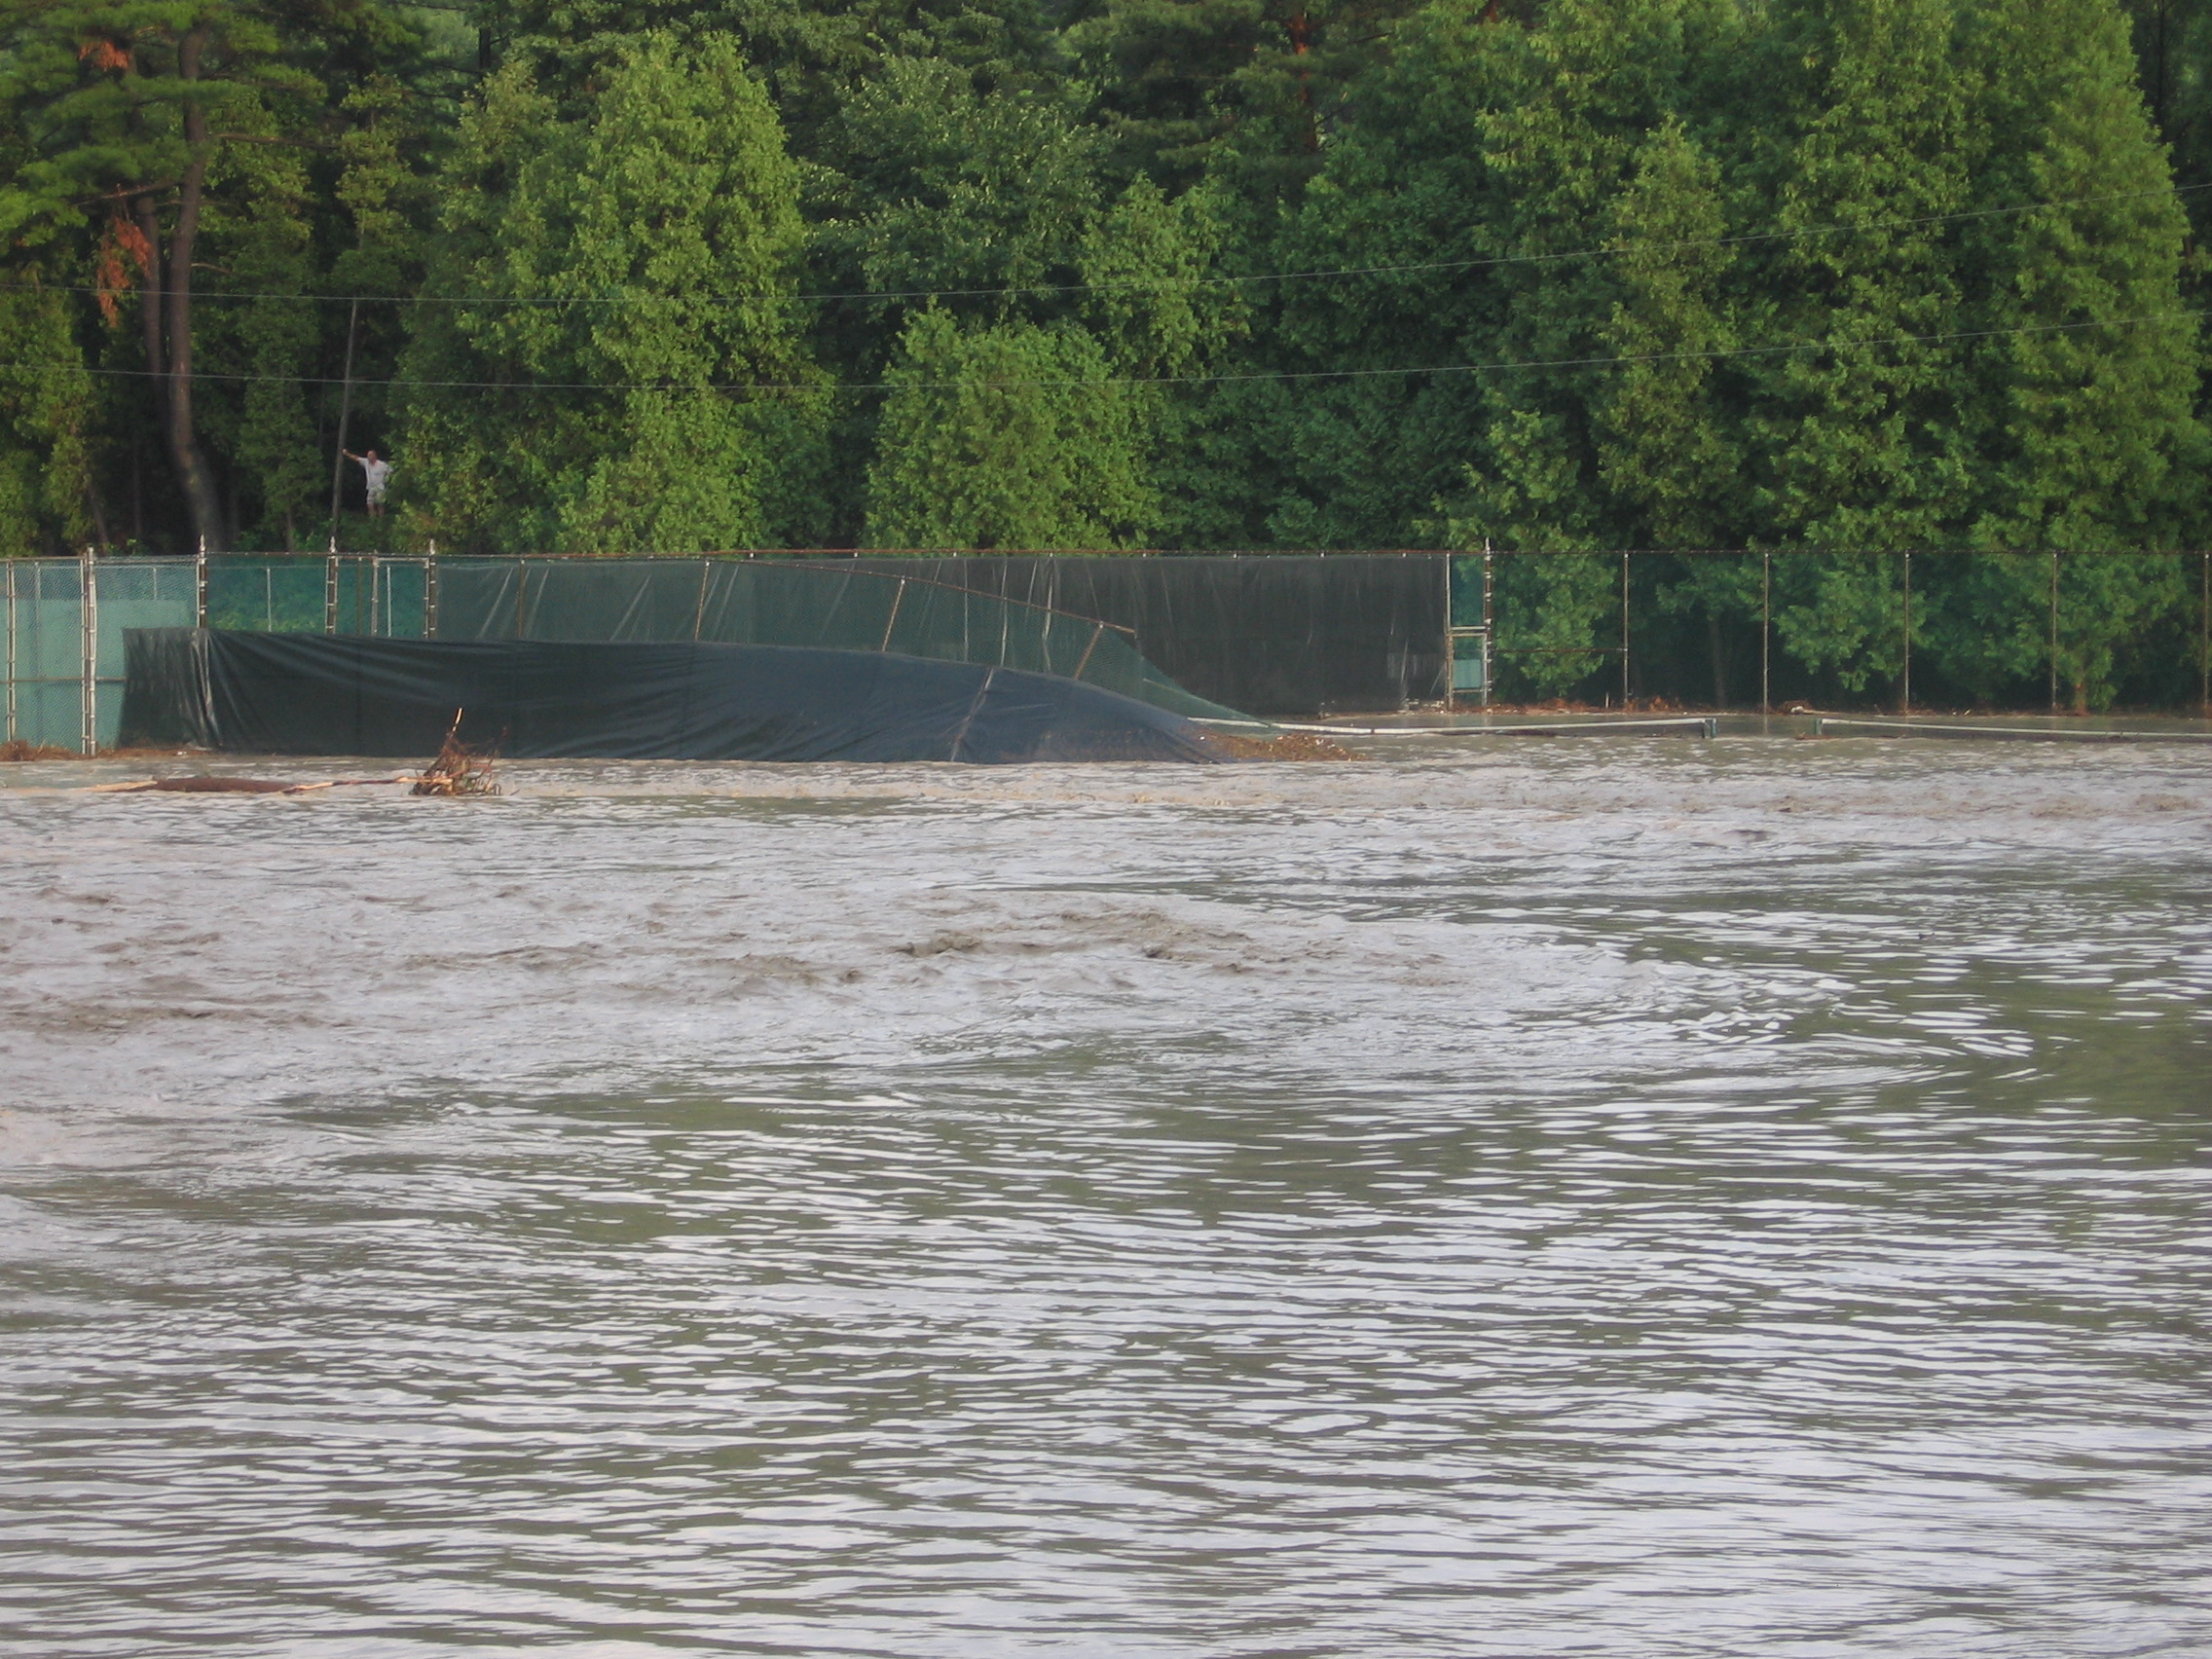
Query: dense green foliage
x=1822, y=277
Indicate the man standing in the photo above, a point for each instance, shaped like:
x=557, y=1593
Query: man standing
x=379, y=473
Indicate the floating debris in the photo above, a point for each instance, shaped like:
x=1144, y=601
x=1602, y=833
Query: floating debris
x=1290, y=746
x=21, y=748
x=459, y=770
x=201, y=784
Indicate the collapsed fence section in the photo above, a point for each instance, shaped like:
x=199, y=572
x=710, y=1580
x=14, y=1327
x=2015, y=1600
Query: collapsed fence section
x=746, y=602
x=1275, y=634
x=1212, y=635
x=64, y=622
x=1303, y=635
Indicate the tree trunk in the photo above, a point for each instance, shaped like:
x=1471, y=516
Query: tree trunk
x=193, y=474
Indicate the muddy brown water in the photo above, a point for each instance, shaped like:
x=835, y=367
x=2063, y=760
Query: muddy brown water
x=1634, y=1198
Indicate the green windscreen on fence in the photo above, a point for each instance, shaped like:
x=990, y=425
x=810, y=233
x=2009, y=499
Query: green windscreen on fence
x=309, y=593
x=745, y=602
x=716, y=600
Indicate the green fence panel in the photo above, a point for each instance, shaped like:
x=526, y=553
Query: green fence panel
x=43, y=638
x=767, y=602
x=732, y=601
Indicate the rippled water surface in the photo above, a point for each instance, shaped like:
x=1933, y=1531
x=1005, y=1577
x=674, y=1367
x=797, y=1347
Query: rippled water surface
x=1626, y=1198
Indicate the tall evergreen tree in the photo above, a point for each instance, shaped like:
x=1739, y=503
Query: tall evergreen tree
x=1176, y=78
x=811, y=55
x=617, y=364
x=48, y=500
x=2088, y=384
x=132, y=112
x=1401, y=230
x=1861, y=417
x=1008, y=434
x=1667, y=415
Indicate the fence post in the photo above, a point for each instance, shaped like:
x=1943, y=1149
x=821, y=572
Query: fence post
x=1766, y=630
x=1096, y=634
x=330, y=589
x=2203, y=634
x=1451, y=675
x=898, y=597
x=199, y=585
x=1624, y=631
x=2054, y=630
x=88, y=651
x=13, y=729
x=430, y=593
x=1490, y=629
x=1905, y=687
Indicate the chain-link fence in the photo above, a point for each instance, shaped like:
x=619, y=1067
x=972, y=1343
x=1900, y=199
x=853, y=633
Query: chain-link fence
x=65, y=618
x=1271, y=633
x=1750, y=628
x=61, y=633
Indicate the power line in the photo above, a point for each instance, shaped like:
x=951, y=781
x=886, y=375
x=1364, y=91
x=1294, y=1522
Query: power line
x=1228, y=379
x=1154, y=284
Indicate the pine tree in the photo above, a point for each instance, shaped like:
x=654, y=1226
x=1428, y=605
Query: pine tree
x=810, y=55
x=1403, y=222
x=1861, y=419
x=1245, y=90
x=132, y=111
x=1669, y=435
x=628, y=282
x=1008, y=434
x=46, y=409
x=1667, y=451
x=2087, y=382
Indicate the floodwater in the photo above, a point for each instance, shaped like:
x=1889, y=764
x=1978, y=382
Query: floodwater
x=1636, y=1197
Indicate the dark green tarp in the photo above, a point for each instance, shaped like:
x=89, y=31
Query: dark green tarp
x=345, y=694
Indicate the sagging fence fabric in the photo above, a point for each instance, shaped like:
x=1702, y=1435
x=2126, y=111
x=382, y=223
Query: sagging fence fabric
x=1278, y=633
x=629, y=699
x=65, y=619
x=770, y=601
x=1304, y=634
x=1209, y=634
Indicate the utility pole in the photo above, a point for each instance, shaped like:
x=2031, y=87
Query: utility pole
x=344, y=412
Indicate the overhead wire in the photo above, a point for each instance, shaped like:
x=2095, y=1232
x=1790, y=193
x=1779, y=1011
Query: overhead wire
x=1152, y=284
x=768, y=387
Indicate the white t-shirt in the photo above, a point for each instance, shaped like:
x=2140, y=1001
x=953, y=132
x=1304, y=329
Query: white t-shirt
x=377, y=471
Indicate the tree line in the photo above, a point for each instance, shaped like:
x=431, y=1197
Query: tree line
x=608, y=276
